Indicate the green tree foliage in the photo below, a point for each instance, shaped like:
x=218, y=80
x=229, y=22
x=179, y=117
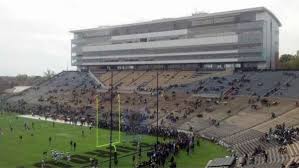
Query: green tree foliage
x=288, y=61
x=22, y=77
x=285, y=58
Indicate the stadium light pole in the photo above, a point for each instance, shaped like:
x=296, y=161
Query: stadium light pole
x=111, y=105
x=157, y=94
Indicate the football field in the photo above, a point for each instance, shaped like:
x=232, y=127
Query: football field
x=26, y=142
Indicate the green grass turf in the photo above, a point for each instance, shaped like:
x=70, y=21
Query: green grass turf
x=28, y=151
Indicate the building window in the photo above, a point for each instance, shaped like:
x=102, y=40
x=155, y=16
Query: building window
x=143, y=40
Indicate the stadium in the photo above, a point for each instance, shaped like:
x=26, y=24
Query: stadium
x=196, y=91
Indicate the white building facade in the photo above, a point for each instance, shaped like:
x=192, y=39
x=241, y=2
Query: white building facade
x=247, y=38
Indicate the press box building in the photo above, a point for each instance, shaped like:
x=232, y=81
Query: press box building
x=247, y=38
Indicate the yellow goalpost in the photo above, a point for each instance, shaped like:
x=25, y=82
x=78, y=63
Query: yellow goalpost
x=98, y=144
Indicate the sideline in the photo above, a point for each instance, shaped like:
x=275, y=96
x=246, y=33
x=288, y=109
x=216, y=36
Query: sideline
x=37, y=117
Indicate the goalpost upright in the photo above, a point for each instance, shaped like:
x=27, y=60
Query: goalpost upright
x=97, y=123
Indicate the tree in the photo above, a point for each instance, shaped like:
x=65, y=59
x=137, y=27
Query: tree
x=21, y=77
x=285, y=58
x=288, y=61
x=294, y=63
x=48, y=74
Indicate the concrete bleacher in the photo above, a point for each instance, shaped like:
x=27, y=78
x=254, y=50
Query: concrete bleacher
x=290, y=119
x=165, y=77
x=134, y=75
x=242, y=137
x=129, y=78
x=249, y=117
x=265, y=165
x=293, y=149
x=174, y=78
x=275, y=160
x=116, y=76
x=217, y=132
x=242, y=131
x=105, y=76
x=196, y=123
x=259, y=83
x=248, y=146
x=245, y=141
x=289, y=89
x=151, y=80
x=181, y=77
x=218, y=85
x=246, y=120
x=292, y=159
x=119, y=78
x=241, y=118
x=145, y=79
x=226, y=108
x=60, y=86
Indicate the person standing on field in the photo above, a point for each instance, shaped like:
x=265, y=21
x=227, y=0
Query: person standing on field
x=71, y=144
x=75, y=145
x=50, y=140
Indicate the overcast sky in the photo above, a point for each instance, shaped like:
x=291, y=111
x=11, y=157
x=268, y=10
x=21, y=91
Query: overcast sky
x=34, y=34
